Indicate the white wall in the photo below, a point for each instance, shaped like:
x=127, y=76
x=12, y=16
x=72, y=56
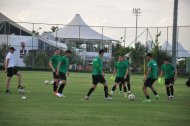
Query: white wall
x=15, y=41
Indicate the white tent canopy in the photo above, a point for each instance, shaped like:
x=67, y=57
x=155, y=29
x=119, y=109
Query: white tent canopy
x=53, y=43
x=181, y=51
x=77, y=28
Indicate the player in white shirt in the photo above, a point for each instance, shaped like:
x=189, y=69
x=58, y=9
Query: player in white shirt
x=11, y=70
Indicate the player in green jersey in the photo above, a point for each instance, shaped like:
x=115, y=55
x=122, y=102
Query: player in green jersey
x=53, y=65
x=126, y=60
x=170, y=75
x=62, y=70
x=98, y=76
x=121, y=72
x=150, y=77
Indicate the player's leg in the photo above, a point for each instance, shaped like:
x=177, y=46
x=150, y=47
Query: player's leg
x=128, y=84
x=120, y=88
x=19, y=76
x=172, y=87
x=114, y=88
x=9, y=76
x=106, y=89
x=144, y=88
x=91, y=89
x=117, y=81
x=8, y=85
x=153, y=89
x=103, y=81
x=94, y=84
x=62, y=85
x=167, y=84
x=124, y=89
x=55, y=83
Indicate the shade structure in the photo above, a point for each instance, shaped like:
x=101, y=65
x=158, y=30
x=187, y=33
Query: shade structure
x=181, y=51
x=77, y=28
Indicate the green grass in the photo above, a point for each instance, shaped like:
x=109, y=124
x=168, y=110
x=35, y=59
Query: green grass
x=43, y=108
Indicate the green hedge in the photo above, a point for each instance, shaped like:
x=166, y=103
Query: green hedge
x=79, y=71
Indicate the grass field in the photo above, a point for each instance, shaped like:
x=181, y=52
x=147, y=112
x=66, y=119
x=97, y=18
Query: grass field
x=43, y=108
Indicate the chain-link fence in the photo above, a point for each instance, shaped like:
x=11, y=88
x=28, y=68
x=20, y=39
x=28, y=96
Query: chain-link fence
x=33, y=39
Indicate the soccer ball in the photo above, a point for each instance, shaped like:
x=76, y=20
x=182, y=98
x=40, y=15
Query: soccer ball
x=21, y=91
x=46, y=82
x=51, y=82
x=131, y=97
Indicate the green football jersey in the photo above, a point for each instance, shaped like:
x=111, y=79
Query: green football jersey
x=153, y=74
x=127, y=64
x=97, y=65
x=64, y=64
x=168, y=70
x=55, y=60
x=120, y=69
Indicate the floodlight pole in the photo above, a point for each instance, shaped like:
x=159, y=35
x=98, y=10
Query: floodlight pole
x=136, y=12
x=124, y=36
x=174, y=37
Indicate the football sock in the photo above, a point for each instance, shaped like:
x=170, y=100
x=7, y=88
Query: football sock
x=155, y=93
x=147, y=97
x=61, y=88
x=113, y=88
x=172, y=90
x=106, y=91
x=90, y=91
x=129, y=86
x=168, y=91
x=125, y=89
x=55, y=86
x=120, y=87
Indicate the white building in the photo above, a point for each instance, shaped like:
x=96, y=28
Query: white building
x=23, y=40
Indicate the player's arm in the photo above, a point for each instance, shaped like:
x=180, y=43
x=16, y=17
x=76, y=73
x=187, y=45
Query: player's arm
x=146, y=75
x=114, y=71
x=6, y=64
x=51, y=66
x=68, y=71
x=100, y=68
x=58, y=68
x=127, y=72
x=162, y=73
x=103, y=74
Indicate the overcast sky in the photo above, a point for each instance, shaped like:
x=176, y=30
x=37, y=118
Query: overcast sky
x=99, y=12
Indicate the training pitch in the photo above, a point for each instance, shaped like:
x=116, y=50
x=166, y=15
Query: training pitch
x=42, y=108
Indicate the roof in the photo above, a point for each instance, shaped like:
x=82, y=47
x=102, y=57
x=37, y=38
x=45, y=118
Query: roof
x=3, y=19
x=77, y=28
x=53, y=43
x=181, y=51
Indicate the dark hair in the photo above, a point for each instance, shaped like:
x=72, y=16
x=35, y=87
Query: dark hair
x=101, y=51
x=166, y=59
x=56, y=49
x=68, y=51
x=12, y=48
x=149, y=54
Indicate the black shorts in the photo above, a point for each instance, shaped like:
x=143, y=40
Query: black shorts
x=55, y=76
x=98, y=79
x=11, y=71
x=62, y=76
x=120, y=80
x=169, y=81
x=127, y=79
x=149, y=82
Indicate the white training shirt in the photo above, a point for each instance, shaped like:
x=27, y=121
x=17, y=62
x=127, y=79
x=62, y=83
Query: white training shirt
x=11, y=60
